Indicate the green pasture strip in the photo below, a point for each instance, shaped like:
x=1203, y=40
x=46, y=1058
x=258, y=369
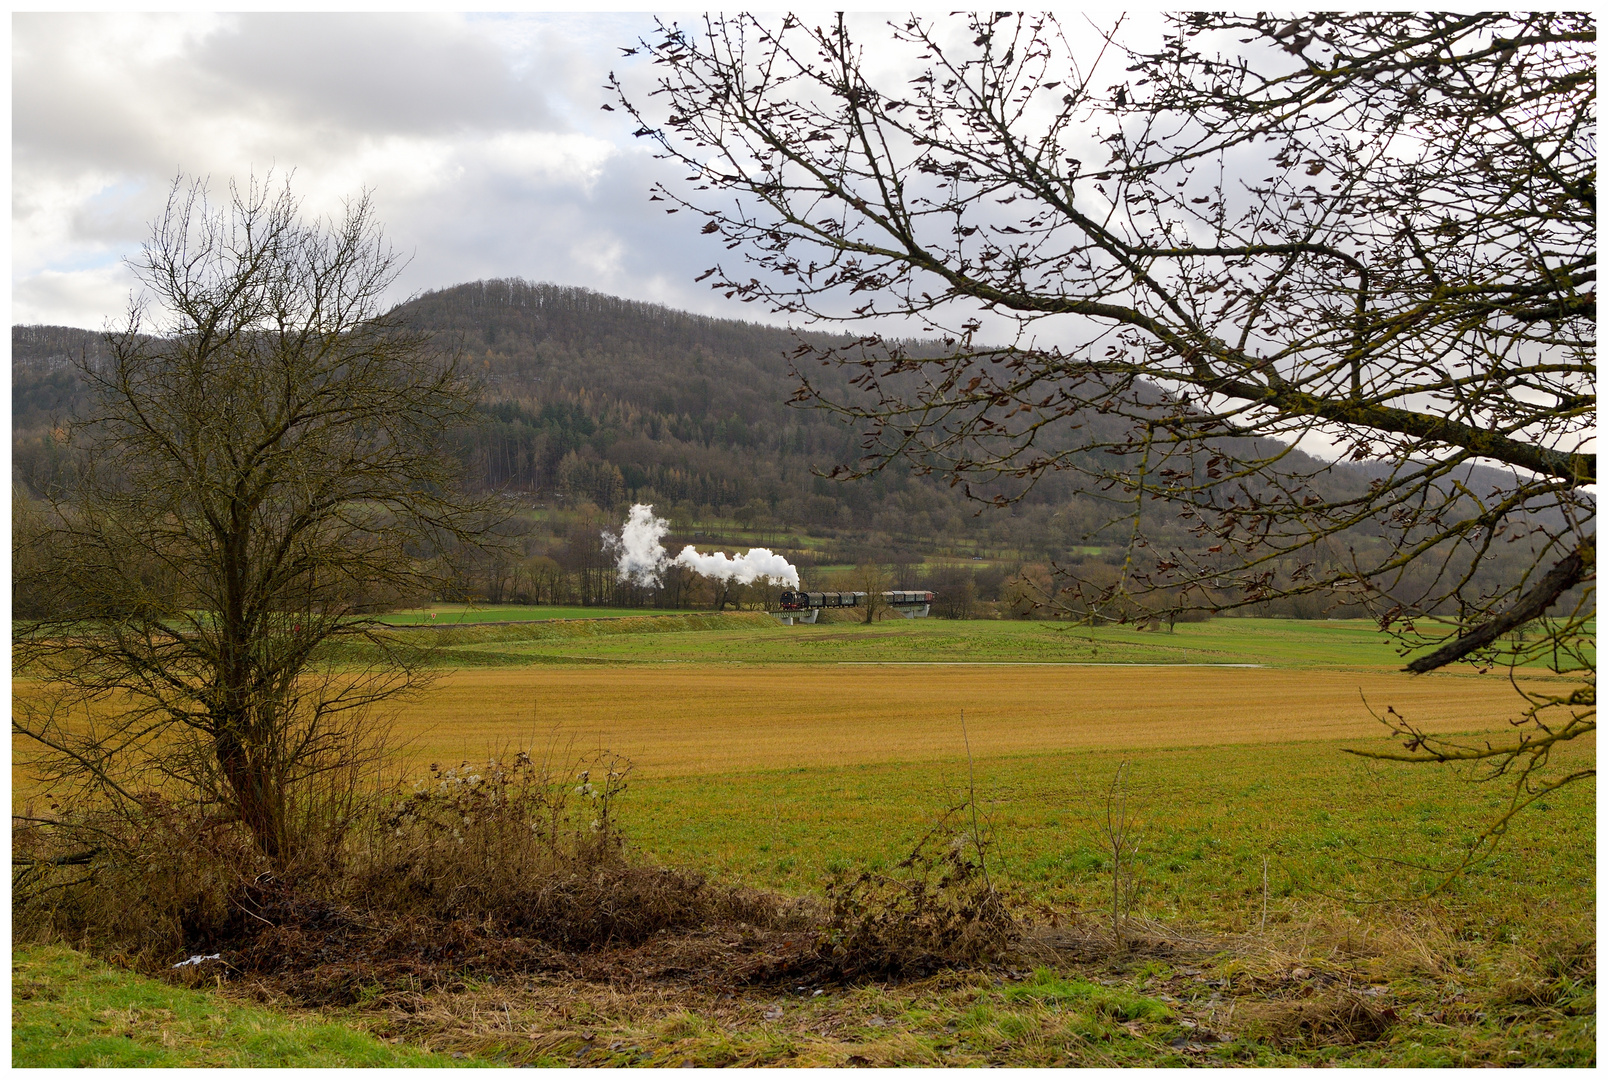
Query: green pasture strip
x=1328, y=823
x=639, y=622
x=547, y=641
x=70, y=1011
x=760, y=639
x=551, y=633
x=528, y=635
x=460, y=614
x=753, y=638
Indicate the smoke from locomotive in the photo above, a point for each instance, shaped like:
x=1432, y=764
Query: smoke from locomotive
x=642, y=557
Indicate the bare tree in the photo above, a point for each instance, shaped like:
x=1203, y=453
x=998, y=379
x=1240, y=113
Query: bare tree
x=1122, y=834
x=1369, y=233
x=264, y=467
x=872, y=578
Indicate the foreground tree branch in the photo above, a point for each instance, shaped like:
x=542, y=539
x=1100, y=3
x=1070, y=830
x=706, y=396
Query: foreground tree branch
x=1531, y=606
x=1157, y=271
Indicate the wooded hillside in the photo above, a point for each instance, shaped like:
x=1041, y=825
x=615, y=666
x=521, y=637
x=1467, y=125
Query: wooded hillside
x=592, y=402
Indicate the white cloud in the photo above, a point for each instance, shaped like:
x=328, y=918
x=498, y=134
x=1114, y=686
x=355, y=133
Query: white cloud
x=480, y=138
x=92, y=298
x=67, y=211
x=576, y=160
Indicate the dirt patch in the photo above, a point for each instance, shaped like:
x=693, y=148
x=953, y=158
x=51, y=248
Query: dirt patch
x=331, y=957
x=318, y=954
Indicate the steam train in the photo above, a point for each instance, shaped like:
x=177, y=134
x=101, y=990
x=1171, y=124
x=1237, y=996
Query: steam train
x=806, y=606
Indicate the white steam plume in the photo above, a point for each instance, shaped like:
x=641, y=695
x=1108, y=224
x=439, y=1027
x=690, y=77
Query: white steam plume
x=744, y=569
x=643, y=558
x=641, y=554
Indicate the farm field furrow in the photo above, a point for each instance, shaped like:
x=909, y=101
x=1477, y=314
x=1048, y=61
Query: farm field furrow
x=688, y=719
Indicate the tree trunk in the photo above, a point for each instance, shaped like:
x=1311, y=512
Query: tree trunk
x=259, y=798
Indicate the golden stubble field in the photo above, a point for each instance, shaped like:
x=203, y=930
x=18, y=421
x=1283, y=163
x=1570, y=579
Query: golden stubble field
x=692, y=719
x=702, y=719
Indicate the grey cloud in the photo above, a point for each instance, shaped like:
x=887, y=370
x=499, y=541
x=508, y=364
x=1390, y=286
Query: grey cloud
x=93, y=300
x=607, y=237
x=371, y=73
x=303, y=78
x=62, y=116
x=458, y=126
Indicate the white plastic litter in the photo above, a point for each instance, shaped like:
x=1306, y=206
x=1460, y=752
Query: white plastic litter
x=198, y=960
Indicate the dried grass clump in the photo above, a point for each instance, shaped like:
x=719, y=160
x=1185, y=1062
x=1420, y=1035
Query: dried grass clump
x=1335, y=1017
x=530, y=850
x=940, y=911
x=146, y=886
x=1561, y=975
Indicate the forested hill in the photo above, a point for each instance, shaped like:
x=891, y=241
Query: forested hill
x=545, y=340
x=596, y=397
x=592, y=399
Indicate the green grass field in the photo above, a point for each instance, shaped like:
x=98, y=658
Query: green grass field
x=469, y=615
x=1305, y=869
x=754, y=638
x=1335, y=829
x=760, y=639
x=69, y=1011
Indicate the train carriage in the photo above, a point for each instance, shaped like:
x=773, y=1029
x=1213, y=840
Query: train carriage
x=911, y=603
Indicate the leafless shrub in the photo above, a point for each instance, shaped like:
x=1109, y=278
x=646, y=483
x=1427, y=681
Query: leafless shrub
x=1122, y=834
x=150, y=862
x=941, y=910
x=510, y=865
x=516, y=846
x=530, y=847
x=146, y=887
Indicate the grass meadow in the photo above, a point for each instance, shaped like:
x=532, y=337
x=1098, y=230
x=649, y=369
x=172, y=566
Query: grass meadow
x=1285, y=881
x=620, y=637
x=470, y=614
x=69, y=1011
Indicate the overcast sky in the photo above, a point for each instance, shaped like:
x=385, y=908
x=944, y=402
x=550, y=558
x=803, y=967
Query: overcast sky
x=481, y=139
